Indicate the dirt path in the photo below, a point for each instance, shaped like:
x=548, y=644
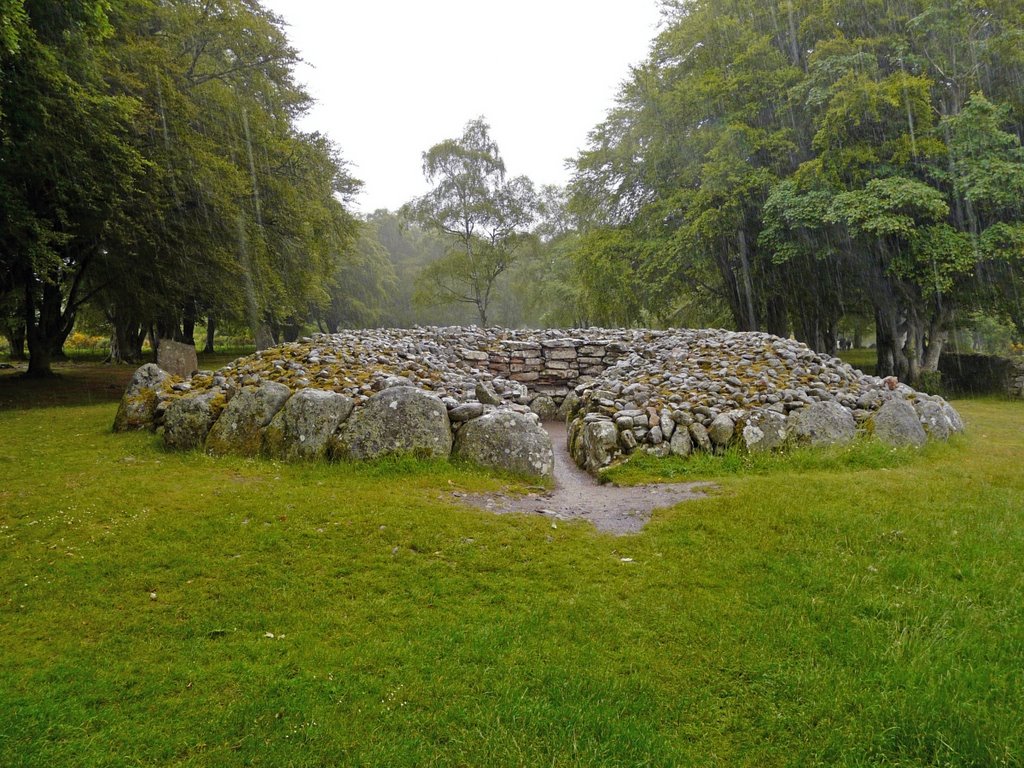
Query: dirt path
x=577, y=495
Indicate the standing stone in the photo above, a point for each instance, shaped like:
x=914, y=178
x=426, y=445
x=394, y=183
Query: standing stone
x=401, y=420
x=897, y=423
x=138, y=404
x=507, y=440
x=568, y=407
x=596, y=445
x=239, y=430
x=176, y=358
x=699, y=437
x=303, y=428
x=934, y=420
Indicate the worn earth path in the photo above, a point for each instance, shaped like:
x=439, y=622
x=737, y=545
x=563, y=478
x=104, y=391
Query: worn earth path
x=579, y=496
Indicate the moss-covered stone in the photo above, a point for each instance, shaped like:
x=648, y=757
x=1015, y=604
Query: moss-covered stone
x=239, y=430
x=400, y=420
x=302, y=429
x=137, y=409
x=187, y=422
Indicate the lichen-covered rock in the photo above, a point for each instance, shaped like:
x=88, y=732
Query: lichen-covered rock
x=699, y=437
x=567, y=409
x=934, y=419
x=897, y=423
x=465, y=412
x=239, y=430
x=544, y=407
x=302, y=429
x=399, y=420
x=507, y=440
x=187, y=421
x=680, y=444
x=597, y=445
x=956, y=424
x=139, y=402
x=721, y=430
x=764, y=431
x=820, y=424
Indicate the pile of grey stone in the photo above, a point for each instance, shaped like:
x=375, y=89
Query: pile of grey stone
x=481, y=394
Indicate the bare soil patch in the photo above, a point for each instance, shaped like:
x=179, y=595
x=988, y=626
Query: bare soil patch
x=579, y=496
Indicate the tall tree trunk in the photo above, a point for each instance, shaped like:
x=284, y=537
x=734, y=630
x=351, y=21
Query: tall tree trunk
x=750, y=320
x=188, y=324
x=891, y=357
x=46, y=327
x=211, y=331
x=777, y=315
x=937, y=337
x=15, y=334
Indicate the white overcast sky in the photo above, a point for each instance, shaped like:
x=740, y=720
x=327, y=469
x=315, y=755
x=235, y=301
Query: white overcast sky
x=393, y=77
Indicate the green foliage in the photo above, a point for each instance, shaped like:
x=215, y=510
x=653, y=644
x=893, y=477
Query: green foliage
x=483, y=215
x=152, y=166
x=798, y=162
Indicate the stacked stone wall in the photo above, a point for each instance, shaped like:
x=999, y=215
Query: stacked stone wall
x=361, y=394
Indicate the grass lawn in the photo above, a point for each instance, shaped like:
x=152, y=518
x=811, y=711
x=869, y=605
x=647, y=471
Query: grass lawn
x=171, y=609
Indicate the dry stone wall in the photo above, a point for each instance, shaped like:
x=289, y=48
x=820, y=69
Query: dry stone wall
x=1016, y=388
x=481, y=395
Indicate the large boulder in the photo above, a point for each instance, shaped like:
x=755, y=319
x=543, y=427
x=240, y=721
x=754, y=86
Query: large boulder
x=681, y=444
x=396, y=421
x=303, y=428
x=824, y=423
x=897, y=423
x=507, y=440
x=187, y=420
x=138, y=404
x=765, y=430
x=239, y=430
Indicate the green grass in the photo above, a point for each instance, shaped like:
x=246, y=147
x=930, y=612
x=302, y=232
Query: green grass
x=864, y=359
x=856, y=611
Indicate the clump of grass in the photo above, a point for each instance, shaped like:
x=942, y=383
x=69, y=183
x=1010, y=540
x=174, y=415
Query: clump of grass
x=862, y=454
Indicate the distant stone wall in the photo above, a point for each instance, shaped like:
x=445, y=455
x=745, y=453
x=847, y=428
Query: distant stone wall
x=972, y=374
x=1016, y=384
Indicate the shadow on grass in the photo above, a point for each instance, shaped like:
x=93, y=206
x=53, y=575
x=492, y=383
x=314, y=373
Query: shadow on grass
x=84, y=379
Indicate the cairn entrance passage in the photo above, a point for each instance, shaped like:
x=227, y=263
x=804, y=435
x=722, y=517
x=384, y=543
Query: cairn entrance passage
x=481, y=394
x=578, y=495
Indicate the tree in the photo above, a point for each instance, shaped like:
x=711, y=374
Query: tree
x=242, y=215
x=798, y=162
x=483, y=215
x=67, y=167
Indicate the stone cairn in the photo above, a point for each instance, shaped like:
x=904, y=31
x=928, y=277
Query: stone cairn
x=481, y=394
